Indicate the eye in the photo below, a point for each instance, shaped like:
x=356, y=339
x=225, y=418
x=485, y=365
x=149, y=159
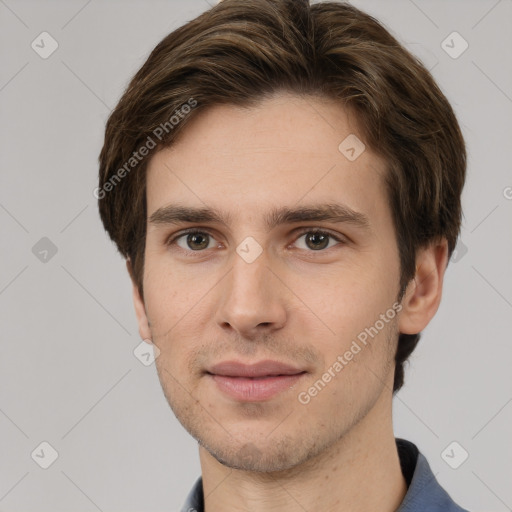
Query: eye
x=317, y=240
x=194, y=241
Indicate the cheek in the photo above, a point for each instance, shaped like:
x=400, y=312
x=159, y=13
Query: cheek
x=168, y=291
x=166, y=305
x=358, y=309
x=175, y=305
x=349, y=299
x=347, y=387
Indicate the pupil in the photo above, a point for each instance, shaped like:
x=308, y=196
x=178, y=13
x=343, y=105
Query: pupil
x=193, y=240
x=322, y=239
x=318, y=241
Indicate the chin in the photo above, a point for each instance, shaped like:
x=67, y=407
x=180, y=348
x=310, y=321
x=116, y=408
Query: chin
x=269, y=456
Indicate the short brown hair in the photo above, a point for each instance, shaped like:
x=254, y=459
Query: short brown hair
x=240, y=52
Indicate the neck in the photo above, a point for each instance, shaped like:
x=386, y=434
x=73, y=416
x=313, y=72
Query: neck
x=359, y=472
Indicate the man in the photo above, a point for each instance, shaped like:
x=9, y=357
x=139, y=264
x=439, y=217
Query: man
x=284, y=181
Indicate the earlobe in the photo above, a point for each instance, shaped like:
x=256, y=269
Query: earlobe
x=423, y=294
x=140, y=309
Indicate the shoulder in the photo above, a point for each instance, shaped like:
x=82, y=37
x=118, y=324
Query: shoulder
x=424, y=494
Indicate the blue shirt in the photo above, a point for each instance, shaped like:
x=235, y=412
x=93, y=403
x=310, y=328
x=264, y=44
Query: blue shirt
x=424, y=494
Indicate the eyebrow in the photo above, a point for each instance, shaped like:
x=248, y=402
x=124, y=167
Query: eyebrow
x=330, y=212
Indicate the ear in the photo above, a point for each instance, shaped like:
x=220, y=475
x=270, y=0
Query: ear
x=140, y=309
x=423, y=294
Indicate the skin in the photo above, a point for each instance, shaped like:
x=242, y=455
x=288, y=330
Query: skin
x=295, y=303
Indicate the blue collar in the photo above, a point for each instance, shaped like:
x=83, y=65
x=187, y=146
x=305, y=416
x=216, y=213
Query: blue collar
x=424, y=492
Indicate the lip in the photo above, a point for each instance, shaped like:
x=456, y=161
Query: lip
x=260, y=369
x=254, y=382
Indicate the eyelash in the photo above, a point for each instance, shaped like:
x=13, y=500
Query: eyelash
x=193, y=231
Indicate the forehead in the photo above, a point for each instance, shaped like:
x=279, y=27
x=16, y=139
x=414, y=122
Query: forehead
x=286, y=150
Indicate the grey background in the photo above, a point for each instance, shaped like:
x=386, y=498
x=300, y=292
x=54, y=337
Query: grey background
x=68, y=374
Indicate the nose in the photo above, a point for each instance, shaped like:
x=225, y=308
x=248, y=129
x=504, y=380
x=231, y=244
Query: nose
x=252, y=299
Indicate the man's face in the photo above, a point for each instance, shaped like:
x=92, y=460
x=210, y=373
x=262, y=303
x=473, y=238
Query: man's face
x=212, y=297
